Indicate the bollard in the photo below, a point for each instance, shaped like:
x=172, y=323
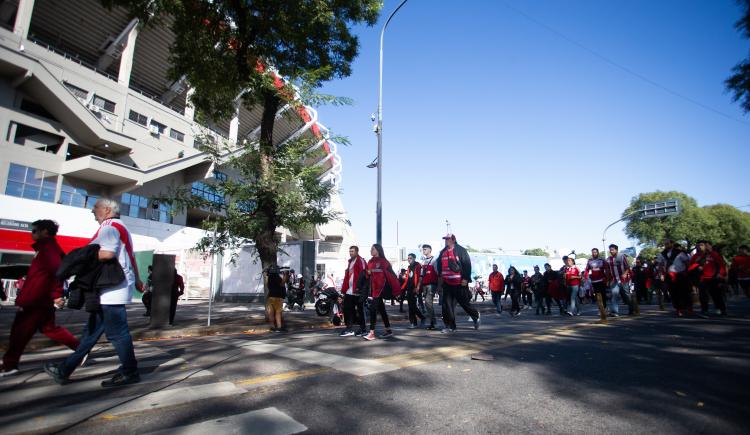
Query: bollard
x=163, y=280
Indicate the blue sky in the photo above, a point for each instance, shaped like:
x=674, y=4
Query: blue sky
x=495, y=120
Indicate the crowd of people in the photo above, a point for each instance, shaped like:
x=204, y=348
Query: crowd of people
x=608, y=282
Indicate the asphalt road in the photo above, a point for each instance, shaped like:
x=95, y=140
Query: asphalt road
x=650, y=374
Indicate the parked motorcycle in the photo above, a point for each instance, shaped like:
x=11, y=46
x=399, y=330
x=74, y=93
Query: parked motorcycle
x=328, y=303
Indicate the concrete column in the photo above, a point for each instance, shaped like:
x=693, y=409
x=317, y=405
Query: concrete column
x=234, y=125
x=126, y=59
x=23, y=18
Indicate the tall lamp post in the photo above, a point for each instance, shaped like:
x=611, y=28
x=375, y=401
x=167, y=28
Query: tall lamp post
x=379, y=132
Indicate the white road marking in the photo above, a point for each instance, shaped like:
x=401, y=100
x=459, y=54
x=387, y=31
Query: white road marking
x=63, y=416
x=353, y=366
x=267, y=421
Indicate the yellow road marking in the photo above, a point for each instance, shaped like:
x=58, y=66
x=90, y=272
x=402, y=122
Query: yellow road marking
x=444, y=353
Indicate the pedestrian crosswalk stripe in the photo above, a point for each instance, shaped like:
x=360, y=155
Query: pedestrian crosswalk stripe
x=267, y=421
x=63, y=416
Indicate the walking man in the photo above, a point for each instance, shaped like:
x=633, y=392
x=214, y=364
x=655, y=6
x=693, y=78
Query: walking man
x=596, y=271
x=454, y=271
x=354, y=307
x=673, y=263
x=497, y=286
x=707, y=264
x=115, y=243
x=619, y=278
x=429, y=283
x=41, y=295
x=412, y=283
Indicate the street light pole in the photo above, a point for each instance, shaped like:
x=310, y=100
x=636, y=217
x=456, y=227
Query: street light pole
x=379, y=205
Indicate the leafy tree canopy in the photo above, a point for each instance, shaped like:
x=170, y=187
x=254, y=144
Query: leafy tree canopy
x=536, y=251
x=738, y=84
x=723, y=224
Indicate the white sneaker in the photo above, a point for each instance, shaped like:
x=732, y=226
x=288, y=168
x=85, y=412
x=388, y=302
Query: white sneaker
x=5, y=373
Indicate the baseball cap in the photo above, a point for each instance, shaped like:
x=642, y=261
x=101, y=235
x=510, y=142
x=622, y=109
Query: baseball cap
x=450, y=236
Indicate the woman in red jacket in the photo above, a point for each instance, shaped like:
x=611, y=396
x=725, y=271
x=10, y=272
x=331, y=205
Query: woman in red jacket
x=380, y=273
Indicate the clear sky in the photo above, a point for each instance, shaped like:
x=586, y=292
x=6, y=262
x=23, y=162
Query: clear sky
x=533, y=123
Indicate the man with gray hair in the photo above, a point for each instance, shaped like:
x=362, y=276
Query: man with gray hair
x=114, y=242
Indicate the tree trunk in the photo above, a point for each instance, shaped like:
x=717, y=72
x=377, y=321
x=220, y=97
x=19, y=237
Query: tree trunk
x=265, y=241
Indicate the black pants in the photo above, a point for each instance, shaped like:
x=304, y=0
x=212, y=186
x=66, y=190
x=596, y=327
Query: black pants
x=147, y=302
x=411, y=298
x=527, y=298
x=173, y=308
x=711, y=287
x=378, y=306
x=354, y=310
x=679, y=290
x=453, y=294
x=515, y=297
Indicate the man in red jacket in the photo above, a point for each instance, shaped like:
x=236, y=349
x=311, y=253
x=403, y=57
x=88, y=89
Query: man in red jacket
x=707, y=266
x=352, y=305
x=37, y=300
x=497, y=287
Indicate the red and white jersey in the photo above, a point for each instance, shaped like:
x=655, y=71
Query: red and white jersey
x=618, y=267
x=595, y=269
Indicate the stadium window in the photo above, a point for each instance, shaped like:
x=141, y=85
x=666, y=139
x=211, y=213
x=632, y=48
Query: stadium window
x=207, y=192
x=103, y=104
x=162, y=128
x=31, y=183
x=138, y=118
x=176, y=135
x=81, y=94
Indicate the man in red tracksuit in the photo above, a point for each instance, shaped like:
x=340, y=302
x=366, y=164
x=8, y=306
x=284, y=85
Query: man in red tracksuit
x=352, y=305
x=37, y=300
x=413, y=284
x=707, y=266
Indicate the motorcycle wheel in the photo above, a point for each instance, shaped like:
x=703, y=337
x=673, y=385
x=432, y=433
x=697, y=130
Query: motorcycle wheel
x=322, y=310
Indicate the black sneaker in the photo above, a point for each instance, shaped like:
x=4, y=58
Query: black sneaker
x=387, y=334
x=431, y=328
x=121, y=379
x=54, y=371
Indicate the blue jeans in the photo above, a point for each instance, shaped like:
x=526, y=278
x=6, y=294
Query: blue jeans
x=573, y=306
x=113, y=321
x=619, y=291
x=497, y=302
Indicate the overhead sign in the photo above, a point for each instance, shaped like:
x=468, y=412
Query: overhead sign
x=10, y=224
x=662, y=208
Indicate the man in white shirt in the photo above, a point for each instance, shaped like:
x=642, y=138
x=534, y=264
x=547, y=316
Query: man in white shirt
x=114, y=242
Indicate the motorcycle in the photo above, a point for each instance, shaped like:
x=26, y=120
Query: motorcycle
x=295, y=296
x=328, y=303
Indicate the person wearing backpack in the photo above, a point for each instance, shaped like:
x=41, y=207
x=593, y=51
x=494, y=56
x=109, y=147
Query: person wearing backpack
x=40, y=295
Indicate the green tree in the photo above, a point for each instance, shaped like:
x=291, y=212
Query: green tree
x=649, y=253
x=738, y=84
x=725, y=225
x=583, y=254
x=732, y=227
x=225, y=50
x=536, y=251
x=691, y=224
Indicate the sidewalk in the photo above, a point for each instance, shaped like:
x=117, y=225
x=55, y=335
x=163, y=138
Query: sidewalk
x=191, y=320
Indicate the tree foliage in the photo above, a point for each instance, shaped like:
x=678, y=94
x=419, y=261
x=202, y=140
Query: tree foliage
x=723, y=224
x=739, y=82
x=536, y=251
x=254, y=51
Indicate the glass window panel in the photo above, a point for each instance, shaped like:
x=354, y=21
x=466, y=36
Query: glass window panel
x=14, y=188
x=50, y=181
x=143, y=202
x=91, y=201
x=17, y=172
x=31, y=192
x=133, y=211
x=34, y=177
x=141, y=213
x=78, y=201
x=125, y=199
x=48, y=195
x=66, y=198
